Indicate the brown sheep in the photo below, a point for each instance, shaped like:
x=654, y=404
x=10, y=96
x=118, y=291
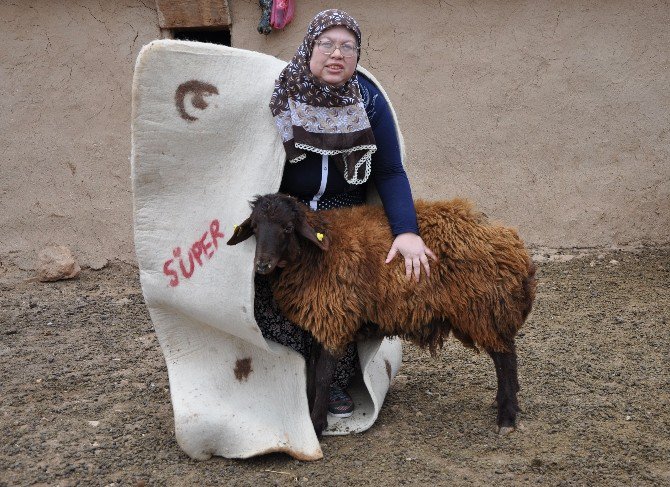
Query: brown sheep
x=335, y=284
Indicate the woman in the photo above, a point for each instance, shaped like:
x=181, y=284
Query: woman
x=339, y=133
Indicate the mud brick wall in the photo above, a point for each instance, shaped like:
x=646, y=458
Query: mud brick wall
x=552, y=117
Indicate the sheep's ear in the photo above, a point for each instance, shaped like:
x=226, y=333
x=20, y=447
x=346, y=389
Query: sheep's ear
x=319, y=239
x=242, y=232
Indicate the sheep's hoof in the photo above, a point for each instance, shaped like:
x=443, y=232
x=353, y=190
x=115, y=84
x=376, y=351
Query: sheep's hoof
x=505, y=430
x=319, y=426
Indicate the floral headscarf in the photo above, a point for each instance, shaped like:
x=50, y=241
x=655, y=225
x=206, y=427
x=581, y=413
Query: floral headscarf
x=314, y=116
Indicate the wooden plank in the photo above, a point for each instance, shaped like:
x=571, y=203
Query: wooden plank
x=179, y=14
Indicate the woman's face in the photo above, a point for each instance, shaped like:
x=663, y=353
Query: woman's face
x=334, y=68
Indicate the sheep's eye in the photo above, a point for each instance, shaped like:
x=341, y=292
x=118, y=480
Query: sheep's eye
x=288, y=228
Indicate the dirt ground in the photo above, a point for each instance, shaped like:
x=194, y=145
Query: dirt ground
x=84, y=394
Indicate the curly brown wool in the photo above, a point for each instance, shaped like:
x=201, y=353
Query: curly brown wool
x=480, y=290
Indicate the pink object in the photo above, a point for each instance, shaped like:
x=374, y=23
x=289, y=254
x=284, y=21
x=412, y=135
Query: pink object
x=281, y=13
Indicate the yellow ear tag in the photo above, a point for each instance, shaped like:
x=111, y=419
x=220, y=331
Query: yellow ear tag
x=234, y=228
x=319, y=236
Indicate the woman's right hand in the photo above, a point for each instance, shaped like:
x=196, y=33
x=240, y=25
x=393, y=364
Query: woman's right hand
x=415, y=252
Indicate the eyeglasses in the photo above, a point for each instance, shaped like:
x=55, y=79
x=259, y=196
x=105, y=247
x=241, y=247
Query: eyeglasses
x=328, y=47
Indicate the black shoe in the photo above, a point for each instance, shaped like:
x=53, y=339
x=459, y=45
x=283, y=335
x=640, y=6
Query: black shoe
x=340, y=403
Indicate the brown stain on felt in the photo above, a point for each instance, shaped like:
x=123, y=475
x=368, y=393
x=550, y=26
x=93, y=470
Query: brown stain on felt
x=243, y=369
x=199, y=89
x=389, y=371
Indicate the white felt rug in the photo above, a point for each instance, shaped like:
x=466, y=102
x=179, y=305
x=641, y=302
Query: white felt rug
x=203, y=144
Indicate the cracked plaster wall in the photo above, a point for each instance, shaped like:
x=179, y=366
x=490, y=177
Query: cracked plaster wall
x=551, y=116
x=66, y=70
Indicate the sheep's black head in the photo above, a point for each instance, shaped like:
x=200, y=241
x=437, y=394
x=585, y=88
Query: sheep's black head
x=281, y=226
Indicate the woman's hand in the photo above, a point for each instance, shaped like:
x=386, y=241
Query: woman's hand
x=414, y=251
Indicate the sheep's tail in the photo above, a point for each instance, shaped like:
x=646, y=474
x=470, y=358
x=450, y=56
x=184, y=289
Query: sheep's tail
x=509, y=322
x=509, y=326
x=529, y=288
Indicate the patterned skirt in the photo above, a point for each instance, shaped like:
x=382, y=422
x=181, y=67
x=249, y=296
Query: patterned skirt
x=278, y=328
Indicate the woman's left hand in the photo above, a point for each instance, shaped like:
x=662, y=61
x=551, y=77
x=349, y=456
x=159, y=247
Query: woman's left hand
x=415, y=252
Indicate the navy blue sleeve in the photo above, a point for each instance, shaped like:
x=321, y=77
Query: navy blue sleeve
x=387, y=172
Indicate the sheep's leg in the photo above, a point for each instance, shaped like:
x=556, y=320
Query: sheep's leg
x=311, y=373
x=508, y=387
x=324, y=371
